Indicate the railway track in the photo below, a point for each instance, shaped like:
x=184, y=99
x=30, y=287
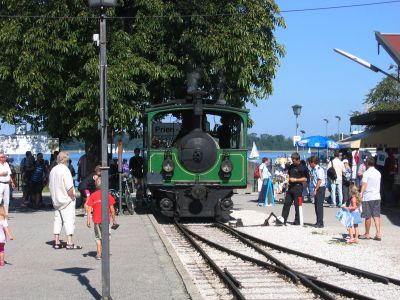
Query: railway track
x=249, y=268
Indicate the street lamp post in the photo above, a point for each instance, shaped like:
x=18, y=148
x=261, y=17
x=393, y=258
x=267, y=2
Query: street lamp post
x=297, y=110
x=302, y=136
x=338, y=127
x=105, y=242
x=326, y=127
x=365, y=63
x=326, y=134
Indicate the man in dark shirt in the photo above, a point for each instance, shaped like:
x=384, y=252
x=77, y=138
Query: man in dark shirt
x=136, y=167
x=224, y=133
x=87, y=186
x=297, y=176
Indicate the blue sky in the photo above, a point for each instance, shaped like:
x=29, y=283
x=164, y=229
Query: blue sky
x=325, y=83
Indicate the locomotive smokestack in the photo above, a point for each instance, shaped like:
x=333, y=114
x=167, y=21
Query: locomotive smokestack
x=193, y=81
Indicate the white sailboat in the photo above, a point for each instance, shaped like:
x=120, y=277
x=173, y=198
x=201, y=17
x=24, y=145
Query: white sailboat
x=254, y=154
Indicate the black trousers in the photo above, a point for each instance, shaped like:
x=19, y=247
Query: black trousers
x=319, y=205
x=346, y=194
x=292, y=195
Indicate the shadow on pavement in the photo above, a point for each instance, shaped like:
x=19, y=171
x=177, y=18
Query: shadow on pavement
x=79, y=273
x=52, y=243
x=89, y=254
x=339, y=241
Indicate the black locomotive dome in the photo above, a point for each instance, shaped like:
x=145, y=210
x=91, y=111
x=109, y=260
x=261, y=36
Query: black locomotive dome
x=197, y=151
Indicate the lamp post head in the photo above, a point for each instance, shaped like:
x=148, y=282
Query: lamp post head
x=296, y=109
x=302, y=132
x=326, y=120
x=102, y=3
x=337, y=117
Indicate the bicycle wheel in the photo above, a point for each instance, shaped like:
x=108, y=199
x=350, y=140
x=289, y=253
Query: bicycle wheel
x=129, y=202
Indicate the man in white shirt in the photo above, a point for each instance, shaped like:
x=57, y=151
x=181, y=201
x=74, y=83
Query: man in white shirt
x=337, y=183
x=62, y=191
x=5, y=181
x=371, y=199
x=318, y=184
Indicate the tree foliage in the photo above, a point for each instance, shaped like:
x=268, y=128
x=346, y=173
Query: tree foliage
x=49, y=74
x=385, y=96
x=270, y=142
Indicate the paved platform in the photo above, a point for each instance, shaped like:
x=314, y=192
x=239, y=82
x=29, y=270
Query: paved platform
x=141, y=268
x=390, y=217
x=140, y=265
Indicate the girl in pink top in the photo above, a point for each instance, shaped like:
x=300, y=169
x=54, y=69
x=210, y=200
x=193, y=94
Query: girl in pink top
x=354, y=210
x=4, y=233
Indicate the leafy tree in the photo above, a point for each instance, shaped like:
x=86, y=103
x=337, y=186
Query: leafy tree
x=385, y=96
x=270, y=142
x=49, y=75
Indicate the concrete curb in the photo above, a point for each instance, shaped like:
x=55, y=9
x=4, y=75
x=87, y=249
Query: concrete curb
x=187, y=280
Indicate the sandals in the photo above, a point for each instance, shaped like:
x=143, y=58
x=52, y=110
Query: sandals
x=73, y=247
x=377, y=238
x=57, y=246
x=364, y=237
x=98, y=257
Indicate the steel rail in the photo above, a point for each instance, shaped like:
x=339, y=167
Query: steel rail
x=293, y=275
x=339, y=290
x=230, y=284
x=351, y=270
x=313, y=279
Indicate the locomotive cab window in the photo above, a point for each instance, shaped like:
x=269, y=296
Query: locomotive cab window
x=165, y=128
x=225, y=128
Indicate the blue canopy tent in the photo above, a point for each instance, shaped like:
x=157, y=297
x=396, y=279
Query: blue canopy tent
x=318, y=142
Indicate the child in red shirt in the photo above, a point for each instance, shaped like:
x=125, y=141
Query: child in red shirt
x=94, y=205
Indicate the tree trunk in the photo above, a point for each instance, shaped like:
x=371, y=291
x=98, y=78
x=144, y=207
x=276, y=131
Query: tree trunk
x=93, y=151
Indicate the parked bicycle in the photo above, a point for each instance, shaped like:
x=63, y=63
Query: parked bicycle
x=127, y=196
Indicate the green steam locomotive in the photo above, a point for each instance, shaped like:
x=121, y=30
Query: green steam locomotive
x=195, y=153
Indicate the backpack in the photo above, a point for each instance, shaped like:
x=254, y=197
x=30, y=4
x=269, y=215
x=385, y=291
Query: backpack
x=331, y=173
x=257, y=174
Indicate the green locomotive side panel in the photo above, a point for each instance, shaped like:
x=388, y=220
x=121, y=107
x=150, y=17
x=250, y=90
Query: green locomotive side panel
x=211, y=176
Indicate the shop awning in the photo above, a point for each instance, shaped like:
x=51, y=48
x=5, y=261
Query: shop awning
x=379, y=137
x=391, y=43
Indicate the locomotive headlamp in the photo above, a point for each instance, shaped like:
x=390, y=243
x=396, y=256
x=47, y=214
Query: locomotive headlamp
x=168, y=165
x=226, y=167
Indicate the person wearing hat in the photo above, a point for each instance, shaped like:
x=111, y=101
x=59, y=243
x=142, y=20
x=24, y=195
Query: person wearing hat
x=346, y=182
